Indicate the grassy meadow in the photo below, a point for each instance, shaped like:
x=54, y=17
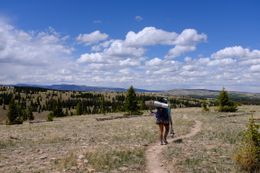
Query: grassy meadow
x=80, y=143
x=212, y=150
x=83, y=144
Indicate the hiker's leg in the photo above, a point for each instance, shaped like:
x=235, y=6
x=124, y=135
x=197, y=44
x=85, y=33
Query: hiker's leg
x=161, y=132
x=166, y=132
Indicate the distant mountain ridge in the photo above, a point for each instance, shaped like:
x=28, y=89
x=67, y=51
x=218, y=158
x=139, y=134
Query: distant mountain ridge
x=70, y=87
x=206, y=92
x=197, y=93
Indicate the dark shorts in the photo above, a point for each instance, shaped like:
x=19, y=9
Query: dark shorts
x=162, y=121
x=162, y=116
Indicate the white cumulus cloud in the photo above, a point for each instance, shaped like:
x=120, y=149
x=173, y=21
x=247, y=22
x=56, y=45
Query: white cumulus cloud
x=150, y=36
x=154, y=62
x=180, y=50
x=184, y=42
x=119, y=48
x=236, y=52
x=48, y=58
x=190, y=37
x=32, y=56
x=90, y=58
x=91, y=38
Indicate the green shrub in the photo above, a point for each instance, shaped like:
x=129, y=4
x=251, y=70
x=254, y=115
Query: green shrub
x=50, y=116
x=228, y=109
x=247, y=155
x=205, y=106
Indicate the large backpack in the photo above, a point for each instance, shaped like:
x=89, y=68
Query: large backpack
x=162, y=115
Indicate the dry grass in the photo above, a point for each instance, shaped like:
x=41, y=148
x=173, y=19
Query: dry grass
x=82, y=144
x=107, y=146
x=212, y=149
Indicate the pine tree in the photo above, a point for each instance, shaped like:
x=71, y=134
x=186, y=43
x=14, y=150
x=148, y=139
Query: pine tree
x=102, y=106
x=94, y=110
x=79, y=109
x=30, y=113
x=223, y=98
x=131, y=101
x=66, y=112
x=58, y=112
x=142, y=105
x=225, y=105
x=14, y=114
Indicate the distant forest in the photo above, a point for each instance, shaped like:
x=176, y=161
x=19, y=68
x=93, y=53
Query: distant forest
x=67, y=103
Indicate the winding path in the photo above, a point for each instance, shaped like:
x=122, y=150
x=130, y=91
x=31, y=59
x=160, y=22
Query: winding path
x=154, y=152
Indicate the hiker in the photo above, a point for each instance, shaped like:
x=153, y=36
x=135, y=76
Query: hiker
x=170, y=116
x=162, y=120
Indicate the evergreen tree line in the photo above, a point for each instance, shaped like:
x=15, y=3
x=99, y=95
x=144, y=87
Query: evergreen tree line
x=89, y=103
x=18, y=113
x=70, y=103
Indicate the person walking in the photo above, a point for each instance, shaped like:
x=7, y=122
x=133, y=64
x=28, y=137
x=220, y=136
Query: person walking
x=162, y=120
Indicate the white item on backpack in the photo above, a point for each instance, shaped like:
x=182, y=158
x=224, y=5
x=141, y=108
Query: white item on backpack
x=156, y=104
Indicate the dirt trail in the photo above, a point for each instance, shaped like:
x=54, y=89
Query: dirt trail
x=154, y=152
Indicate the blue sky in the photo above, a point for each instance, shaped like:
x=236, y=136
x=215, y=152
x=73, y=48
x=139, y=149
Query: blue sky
x=208, y=37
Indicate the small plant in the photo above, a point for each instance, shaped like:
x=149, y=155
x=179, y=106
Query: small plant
x=205, y=106
x=50, y=116
x=248, y=154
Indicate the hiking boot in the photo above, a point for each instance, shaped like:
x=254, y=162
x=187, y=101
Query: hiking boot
x=161, y=142
x=165, y=142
